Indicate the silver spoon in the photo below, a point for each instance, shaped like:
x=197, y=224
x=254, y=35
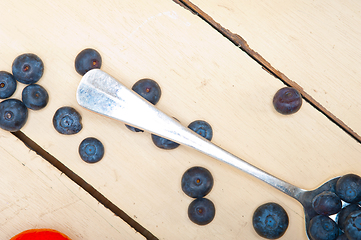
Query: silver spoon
x=101, y=93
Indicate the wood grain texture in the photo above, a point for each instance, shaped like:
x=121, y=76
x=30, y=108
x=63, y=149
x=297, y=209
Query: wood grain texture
x=202, y=76
x=35, y=195
x=313, y=44
x=240, y=42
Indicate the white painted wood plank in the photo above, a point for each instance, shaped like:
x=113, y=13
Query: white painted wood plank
x=36, y=195
x=202, y=76
x=314, y=43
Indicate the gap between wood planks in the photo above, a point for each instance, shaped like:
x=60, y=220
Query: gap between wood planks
x=243, y=45
x=83, y=184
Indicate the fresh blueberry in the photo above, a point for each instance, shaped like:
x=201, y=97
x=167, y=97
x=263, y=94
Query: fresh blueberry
x=7, y=84
x=13, y=114
x=201, y=211
x=35, y=97
x=133, y=129
x=164, y=143
x=67, y=121
x=270, y=220
x=202, y=128
x=322, y=227
x=28, y=68
x=342, y=237
x=348, y=188
x=327, y=203
x=353, y=226
x=287, y=100
x=91, y=150
x=148, y=89
x=343, y=214
x=86, y=60
x=197, y=182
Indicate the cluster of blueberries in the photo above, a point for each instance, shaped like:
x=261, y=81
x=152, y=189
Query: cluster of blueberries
x=197, y=182
x=67, y=120
x=27, y=69
x=271, y=221
x=151, y=91
x=348, y=219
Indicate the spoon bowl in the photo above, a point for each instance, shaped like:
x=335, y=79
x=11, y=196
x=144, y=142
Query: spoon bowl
x=101, y=93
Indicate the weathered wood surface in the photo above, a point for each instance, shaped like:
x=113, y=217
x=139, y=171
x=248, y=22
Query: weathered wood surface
x=36, y=195
x=202, y=76
x=315, y=44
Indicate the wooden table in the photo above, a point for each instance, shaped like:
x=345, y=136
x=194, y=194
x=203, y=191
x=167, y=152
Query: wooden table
x=203, y=74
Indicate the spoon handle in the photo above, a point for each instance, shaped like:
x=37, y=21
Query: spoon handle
x=101, y=93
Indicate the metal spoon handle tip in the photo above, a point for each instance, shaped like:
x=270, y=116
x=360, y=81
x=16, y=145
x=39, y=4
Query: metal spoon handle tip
x=101, y=93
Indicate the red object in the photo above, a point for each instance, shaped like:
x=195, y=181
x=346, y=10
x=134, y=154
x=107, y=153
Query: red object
x=40, y=234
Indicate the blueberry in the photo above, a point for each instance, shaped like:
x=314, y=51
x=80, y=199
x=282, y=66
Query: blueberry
x=201, y=211
x=270, y=220
x=148, y=89
x=202, y=128
x=133, y=129
x=197, y=182
x=287, y=100
x=86, y=60
x=327, y=203
x=322, y=227
x=91, y=150
x=343, y=214
x=348, y=188
x=13, y=114
x=28, y=68
x=35, y=97
x=67, y=121
x=353, y=226
x=164, y=143
x=7, y=84
x=342, y=237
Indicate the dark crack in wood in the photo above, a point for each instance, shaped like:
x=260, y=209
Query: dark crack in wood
x=83, y=184
x=243, y=45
